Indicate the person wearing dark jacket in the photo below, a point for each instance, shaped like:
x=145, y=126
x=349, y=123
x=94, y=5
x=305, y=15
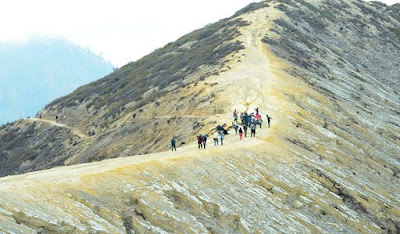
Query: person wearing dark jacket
x=200, y=141
x=269, y=120
x=253, y=129
x=173, y=146
x=240, y=133
x=245, y=130
x=204, y=136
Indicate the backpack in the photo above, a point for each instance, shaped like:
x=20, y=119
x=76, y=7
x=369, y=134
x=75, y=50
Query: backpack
x=253, y=126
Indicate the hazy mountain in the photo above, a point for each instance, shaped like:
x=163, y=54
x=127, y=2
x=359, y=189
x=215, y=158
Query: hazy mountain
x=38, y=71
x=327, y=71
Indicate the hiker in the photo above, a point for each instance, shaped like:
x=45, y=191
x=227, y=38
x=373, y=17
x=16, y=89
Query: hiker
x=242, y=118
x=216, y=138
x=222, y=137
x=200, y=141
x=240, y=133
x=235, y=114
x=269, y=121
x=245, y=118
x=253, y=129
x=204, y=136
x=257, y=111
x=173, y=146
x=245, y=130
x=249, y=120
x=235, y=126
x=56, y=118
x=40, y=115
x=259, y=121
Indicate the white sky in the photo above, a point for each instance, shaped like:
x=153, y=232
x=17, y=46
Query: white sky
x=120, y=30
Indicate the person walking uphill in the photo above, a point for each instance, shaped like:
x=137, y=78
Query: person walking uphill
x=253, y=129
x=204, y=136
x=235, y=126
x=235, y=115
x=222, y=138
x=245, y=130
x=216, y=135
x=240, y=133
x=269, y=120
x=173, y=146
x=200, y=141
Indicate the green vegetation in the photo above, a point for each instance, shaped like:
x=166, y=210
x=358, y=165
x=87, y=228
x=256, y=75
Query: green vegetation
x=252, y=7
x=395, y=31
x=167, y=65
x=309, y=6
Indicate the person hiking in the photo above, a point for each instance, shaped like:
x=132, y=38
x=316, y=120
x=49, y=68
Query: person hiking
x=257, y=111
x=249, y=120
x=269, y=120
x=235, y=114
x=240, y=133
x=245, y=118
x=56, y=118
x=253, y=129
x=204, y=136
x=216, y=135
x=245, y=130
x=222, y=135
x=200, y=141
x=259, y=122
x=235, y=126
x=173, y=146
x=242, y=119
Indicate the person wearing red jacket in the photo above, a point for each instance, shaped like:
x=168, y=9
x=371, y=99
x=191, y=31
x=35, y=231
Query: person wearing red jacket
x=200, y=141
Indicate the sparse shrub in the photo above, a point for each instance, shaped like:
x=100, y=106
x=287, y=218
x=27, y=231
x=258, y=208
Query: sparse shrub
x=396, y=31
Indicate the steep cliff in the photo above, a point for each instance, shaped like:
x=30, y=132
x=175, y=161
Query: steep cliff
x=327, y=73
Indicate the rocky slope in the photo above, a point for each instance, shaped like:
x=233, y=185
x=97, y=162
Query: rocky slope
x=329, y=162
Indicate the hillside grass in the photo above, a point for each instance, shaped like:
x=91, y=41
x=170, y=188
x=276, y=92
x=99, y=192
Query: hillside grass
x=158, y=70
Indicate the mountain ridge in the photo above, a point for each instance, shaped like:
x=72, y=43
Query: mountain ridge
x=323, y=166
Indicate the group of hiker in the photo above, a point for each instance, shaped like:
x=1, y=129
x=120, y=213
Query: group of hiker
x=247, y=121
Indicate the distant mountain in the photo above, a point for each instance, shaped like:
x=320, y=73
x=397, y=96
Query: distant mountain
x=40, y=70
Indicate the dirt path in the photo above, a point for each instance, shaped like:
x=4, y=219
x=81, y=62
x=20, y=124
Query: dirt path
x=75, y=131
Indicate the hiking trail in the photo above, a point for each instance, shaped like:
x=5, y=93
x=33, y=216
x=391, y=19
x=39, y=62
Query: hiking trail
x=75, y=131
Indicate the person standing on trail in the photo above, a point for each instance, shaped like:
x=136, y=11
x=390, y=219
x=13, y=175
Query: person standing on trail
x=253, y=129
x=222, y=135
x=257, y=111
x=216, y=135
x=241, y=118
x=56, y=118
x=269, y=120
x=259, y=122
x=245, y=130
x=235, y=126
x=200, y=141
x=173, y=146
x=240, y=133
x=235, y=115
x=204, y=136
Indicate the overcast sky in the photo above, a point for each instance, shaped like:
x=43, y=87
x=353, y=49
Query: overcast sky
x=120, y=30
